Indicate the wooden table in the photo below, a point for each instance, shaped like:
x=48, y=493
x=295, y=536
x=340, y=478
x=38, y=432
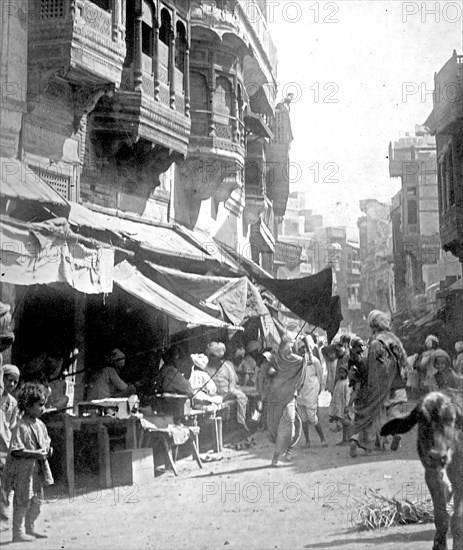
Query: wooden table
x=98, y=425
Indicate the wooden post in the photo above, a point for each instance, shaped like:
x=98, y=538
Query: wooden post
x=80, y=303
x=69, y=445
x=186, y=79
x=104, y=458
x=155, y=64
x=172, y=68
x=137, y=57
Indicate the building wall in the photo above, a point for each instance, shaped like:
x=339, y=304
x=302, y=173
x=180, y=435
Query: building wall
x=418, y=259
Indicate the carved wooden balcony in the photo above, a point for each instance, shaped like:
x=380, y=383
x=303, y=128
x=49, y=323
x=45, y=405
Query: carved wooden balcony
x=447, y=114
x=151, y=104
x=451, y=230
x=241, y=25
x=78, y=40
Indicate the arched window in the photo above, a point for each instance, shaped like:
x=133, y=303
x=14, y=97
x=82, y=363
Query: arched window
x=165, y=28
x=450, y=179
x=199, y=101
x=222, y=102
x=180, y=46
x=198, y=87
x=412, y=212
x=239, y=92
x=147, y=29
x=129, y=34
x=441, y=182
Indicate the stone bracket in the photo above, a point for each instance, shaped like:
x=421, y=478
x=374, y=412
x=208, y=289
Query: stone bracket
x=208, y=178
x=85, y=99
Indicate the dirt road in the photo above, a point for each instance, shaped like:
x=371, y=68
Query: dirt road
x=240, y=502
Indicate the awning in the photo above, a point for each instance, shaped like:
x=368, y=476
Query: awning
x=211, y=247
x=158, y=239
x=238, y=298
x=18, y=181
x=247, y=264
x=42, y=253
x=127, y=277
x=81, y=216
x=310, y=298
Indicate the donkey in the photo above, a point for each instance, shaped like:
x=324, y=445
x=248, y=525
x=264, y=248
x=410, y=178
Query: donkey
x=439, y=416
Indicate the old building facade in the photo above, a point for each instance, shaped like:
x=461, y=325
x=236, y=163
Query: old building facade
x=419, y=261
x=161, y=118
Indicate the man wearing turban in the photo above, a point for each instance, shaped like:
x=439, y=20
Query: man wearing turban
x=107, y=383
x=385, y=392
x=224, y=375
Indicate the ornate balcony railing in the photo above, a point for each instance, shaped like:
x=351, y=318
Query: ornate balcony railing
x=82, y=41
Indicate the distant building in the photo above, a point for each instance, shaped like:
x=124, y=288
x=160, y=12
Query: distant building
x=375, y=237
x=419, y=263
x=446, y=123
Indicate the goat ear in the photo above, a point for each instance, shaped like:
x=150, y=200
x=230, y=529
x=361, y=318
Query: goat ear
x=401, y=425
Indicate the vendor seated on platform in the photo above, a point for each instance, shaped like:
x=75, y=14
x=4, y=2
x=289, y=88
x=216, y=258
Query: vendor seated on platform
x=202, y=384
x=107, y=383
x=47, y=369
x=170, y=379
x=224, y=375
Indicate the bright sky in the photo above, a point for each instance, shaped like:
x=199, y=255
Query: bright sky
x=363, y=60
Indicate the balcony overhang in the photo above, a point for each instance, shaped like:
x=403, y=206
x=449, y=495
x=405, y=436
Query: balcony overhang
x=78, y=38
x=257, y=126
x=447, y=114
x=131, y=115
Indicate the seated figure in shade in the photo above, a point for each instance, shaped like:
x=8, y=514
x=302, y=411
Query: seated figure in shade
x=169, y=378
x=106, y=382
x=205, y=390
x=225, y=378
x=247, y=370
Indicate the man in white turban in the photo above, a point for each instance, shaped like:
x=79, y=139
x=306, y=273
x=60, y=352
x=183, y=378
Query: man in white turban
x=225, y=378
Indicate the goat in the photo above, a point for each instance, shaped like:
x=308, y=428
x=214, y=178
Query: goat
x=439, y=416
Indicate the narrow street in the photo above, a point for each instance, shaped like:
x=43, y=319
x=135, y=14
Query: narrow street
x=236, y=502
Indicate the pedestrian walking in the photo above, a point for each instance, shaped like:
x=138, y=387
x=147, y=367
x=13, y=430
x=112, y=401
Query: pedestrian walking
x=385, y=388
x=27, y=470
x=307, y=397
x=283, y=422
x=338, y=405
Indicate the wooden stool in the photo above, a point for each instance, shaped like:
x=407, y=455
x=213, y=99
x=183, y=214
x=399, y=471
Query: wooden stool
x=171, y=450
x=217, y=433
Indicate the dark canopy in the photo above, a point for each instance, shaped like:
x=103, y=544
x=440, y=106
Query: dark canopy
x=310, y=298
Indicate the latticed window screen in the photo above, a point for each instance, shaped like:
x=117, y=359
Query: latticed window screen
x=60, y=183
x=51, y=9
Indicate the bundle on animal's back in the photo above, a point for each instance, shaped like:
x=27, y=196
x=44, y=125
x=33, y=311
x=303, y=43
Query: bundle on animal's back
x=439, y=416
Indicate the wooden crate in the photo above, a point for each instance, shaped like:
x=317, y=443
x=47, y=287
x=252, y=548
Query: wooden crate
x=132, y=466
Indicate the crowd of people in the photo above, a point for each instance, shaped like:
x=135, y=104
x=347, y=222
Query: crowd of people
x=369, y=382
